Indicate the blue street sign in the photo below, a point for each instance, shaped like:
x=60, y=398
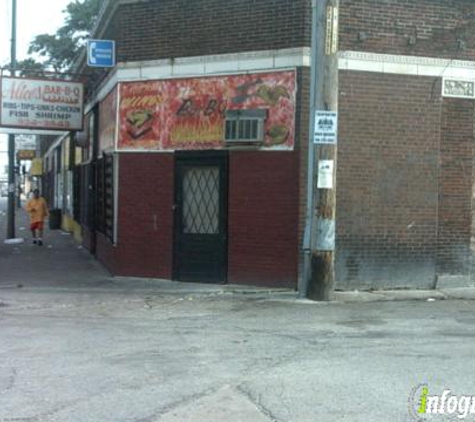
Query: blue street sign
x=101, y=53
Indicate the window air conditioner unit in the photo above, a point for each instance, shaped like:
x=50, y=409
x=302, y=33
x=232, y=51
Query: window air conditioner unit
x=244, y=127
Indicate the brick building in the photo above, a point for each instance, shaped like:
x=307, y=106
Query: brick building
x=194, y=166
x=405, y=171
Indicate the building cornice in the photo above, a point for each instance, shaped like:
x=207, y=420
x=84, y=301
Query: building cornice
x=406, y=65
x=284, y=59
x=212, y=65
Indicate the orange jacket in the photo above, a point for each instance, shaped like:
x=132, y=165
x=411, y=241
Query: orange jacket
x=37, y=209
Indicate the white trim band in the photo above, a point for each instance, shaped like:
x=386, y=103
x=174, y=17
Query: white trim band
x=406, y=65
x=213, y=65
x=285, y=59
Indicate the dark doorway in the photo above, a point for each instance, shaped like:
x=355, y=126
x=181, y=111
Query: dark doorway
x=200, y=235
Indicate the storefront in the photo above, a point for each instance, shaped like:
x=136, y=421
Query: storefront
x=198, y=179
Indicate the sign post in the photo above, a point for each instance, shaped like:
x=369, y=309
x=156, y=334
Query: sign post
x=11, y=142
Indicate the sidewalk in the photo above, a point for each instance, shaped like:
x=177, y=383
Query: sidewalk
x=59, y=262
x=63, y=264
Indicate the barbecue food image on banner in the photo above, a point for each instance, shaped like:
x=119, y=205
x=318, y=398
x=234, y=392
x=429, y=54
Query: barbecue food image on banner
x=278, y=134
x=139, y=122
x=190, y=113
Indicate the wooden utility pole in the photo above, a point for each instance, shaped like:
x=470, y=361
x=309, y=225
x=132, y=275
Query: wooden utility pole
x=319, y=240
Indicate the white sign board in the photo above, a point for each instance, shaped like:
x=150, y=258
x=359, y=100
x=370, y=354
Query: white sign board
x=325, y=235
x=325, y=174
x=458, y=88
x=25, y=142
x=326, y=125
x=41, y=104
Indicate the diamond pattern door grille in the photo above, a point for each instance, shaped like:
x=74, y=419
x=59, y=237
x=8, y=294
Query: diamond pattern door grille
x=201, y=200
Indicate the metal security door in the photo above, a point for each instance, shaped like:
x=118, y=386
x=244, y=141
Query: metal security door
x=201, y=217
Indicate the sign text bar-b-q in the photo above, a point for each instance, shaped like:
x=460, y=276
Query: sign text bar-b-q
x=41, y=104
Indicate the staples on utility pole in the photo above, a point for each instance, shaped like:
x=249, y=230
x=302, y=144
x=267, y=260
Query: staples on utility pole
x=318, y=276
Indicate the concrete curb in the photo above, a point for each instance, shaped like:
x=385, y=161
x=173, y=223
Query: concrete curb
x=389, y=295
x=125, y=285
x=288, y=295
x=465, y=293
x=167, y=286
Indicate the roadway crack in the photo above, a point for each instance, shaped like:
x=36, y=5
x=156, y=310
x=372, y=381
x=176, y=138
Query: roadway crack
x=256, y=399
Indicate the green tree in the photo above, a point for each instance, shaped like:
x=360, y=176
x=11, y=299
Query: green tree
x=30, y=67
x=58, y=51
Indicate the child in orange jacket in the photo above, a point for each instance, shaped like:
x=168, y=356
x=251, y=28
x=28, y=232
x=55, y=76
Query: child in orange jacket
x=38, y=210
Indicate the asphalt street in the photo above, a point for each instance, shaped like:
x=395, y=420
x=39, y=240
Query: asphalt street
x=81, y=346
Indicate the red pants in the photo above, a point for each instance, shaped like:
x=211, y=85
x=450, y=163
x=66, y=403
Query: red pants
x=36, y=226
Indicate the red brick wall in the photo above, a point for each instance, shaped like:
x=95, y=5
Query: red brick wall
x=436, y=25
x=106, y=253
x=178, y=28
x=167, y=29
x=405, y=171
x=87, y=240
x=387, y=180
x=145, y=229
x=402, y=211
x=159, y=29
x=405, y=154
x=455, y=187
x=263, y=218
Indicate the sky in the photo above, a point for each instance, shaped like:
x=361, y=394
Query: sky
x=34, y=17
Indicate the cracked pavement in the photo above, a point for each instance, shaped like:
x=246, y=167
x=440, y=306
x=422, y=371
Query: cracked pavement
x=113, y=355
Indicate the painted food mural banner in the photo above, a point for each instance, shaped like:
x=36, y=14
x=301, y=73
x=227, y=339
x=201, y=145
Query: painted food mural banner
x=183, y=114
